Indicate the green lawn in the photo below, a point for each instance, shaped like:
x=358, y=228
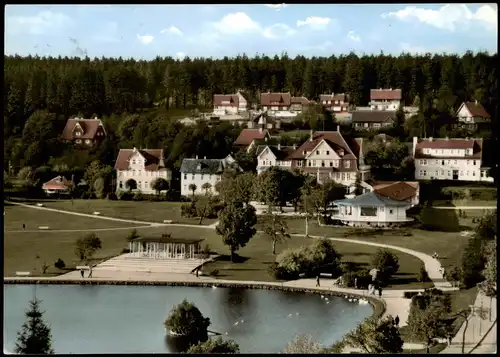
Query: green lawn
x=135, y=210
x=474, y=203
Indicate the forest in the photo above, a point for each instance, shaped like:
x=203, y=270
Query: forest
x=136, y=99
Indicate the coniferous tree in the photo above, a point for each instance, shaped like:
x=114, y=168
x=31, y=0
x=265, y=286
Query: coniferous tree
x=35, y=336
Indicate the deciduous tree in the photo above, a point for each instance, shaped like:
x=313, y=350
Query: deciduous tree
x=215, y=345
x=87, y=246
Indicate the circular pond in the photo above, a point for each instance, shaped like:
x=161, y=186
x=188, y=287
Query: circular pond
x=129, y=319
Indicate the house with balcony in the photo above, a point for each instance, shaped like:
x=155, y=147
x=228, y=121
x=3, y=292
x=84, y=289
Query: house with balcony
x=298, y=104
x=373, y=210
x=141, y=165
x=472, y=116
x=85, y=133
x=275, y=101
x=337, y=103
x=227, y=104
x=450, y=159
x=367, y=120
x=274, y=155
x=385, y=99
x=204, y=171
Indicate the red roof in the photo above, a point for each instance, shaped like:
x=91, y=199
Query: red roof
x=454, y=144
x=333, y=138
x=89, y=127
x=476, y=109
x=275, y=99
x=154, y=159
x=299, y=100
x=248, y=135
x=398, y=190
x=385, y=94
x=231, y=98
x=333, y=96
x=57, y=183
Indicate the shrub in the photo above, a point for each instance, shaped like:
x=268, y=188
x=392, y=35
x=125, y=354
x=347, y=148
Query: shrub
x=214, y=272
x=280, y=273
x=125, y=251
x=138, y=196
x=215, y=346
x=124, y=195
x=186, y=320
x=423, y=277
x=410, y=294
x=132, y=235
x=112, y=196
x=387, y=263
x=188, y=210
x=293, y=261
x=363, y=279
x=59, y=264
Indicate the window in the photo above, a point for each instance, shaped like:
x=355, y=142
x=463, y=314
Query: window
x=309, y=163
x=139, y=184
x=322, y=164
x=391, y=211
x=425, y=173
x=347, y=164
x=449, y=173
x=381, y=209
x=120, y=184
x=305, y=152
x=461, y=173
x=369, y=211
x=442, y=172
x=331, y=164
x=349, y=210
x=317, y=152
x=455, y=162
x=474, y=162
x=442, y=162
x=78, y=141
x=473, y=173
x=327, y=152
x=421, y=172
x=133, y=162
x=192, y=177
x=425, y=162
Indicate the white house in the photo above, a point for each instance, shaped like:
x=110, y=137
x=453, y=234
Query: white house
x=273, y=155
x=229, y=103
x=385, y=99
x=141, y=165
x=472, y=114
x=338, y=103
x=449, y=159
x=372, y=209
x=201, y=171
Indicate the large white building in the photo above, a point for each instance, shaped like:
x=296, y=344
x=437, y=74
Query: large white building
x=201, y=171
x=385, y=99
x=141, y=165
x=449, y=159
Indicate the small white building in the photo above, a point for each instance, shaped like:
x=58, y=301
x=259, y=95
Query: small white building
x=229, y=103
x=450, y=159
x=141, y=165
x=472, y=114
x=274, y=155
x=337, y=103
x=385, y=99
x=201, y=171
x=372, y=209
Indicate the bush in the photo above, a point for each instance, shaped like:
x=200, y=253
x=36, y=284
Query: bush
x=132, y=235
x=124, y=195
x=188, y=210
x=111, y=196
x=280, y=273
x=125, y=251
x=59, y=264
x=423, y=277
x=215, y=346
x=186, y=320
x=410, y=294
x=387, y=263
x=138, y=196
x=214, y=272
x=363, y=279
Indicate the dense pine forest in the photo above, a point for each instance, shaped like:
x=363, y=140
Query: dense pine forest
x=136, y=99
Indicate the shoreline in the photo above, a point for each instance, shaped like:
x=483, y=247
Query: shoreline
x=378, y=305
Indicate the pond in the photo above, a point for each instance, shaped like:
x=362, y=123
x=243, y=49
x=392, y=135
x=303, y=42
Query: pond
x=129, y=319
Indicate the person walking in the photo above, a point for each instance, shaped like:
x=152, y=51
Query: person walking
x=24, y=227
x=355, y=283
x=396, y=321
x=379, y=292
x=317, y=280
x=197, y=272
x=81, y=272
x=90, y=271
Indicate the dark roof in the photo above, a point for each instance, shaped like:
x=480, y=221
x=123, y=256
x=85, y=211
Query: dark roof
x=299, y=100
x=163, y=239
x=281, y=153
x=333, y=138
x=476, y=109
x=371, y=199
x=457, y=144
x=89, y=127
x=385, y=94
x=398, y=190
x=333, y=96
x=207, y=166
x=373, y=116
x=275, y=99
x=248, y=135
x=231, y=98
x=154, y=159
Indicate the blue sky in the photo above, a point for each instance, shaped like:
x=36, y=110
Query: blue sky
x=201, y=30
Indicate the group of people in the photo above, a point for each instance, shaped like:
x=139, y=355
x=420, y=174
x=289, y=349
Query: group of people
x=90, y=272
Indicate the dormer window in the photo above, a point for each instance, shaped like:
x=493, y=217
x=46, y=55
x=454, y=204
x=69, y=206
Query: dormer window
x=133, y=162
x=341, y=152
x=347, y=164
x=78, y=133
x=327, y=152
x=305, y=152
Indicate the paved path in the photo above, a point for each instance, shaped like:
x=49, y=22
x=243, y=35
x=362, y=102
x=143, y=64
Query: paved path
x=78, y=230
x=465, y=207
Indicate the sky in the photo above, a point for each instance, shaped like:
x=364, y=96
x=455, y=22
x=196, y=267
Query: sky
x=202, y=30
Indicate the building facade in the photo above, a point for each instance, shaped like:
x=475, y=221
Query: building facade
x=298, y=104
x=84, y=132
x=141, y=165
x=472, y=115
x=385, y=99
x=368, y=120
x=449, y=159
x=337, y=103
x=275, y=101
x=199, y=172
x=273, y=156
x=229, y=103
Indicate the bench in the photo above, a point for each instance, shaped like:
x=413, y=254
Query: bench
x=169, y=221
x=97, y=213
x=39, y=204
x=84, y=267
x=328, y=275
x=43, y=227
x=23, y=273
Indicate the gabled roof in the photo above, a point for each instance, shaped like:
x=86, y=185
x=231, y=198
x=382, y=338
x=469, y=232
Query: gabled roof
x=248, y=135
x=385, y=94
x=299, y=100
x=455, y=144
x=281, y=153
x=476, y=109
x=208, y=166
x=233, y=99
x=154, y=158
x=335, y=140
x=57, y=183
x=89, y=127
x=398, y=190
x=333, y=96
x=275, y=99
x=371, y=199
x=373, y=116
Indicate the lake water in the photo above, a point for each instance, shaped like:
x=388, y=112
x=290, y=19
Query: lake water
x=129, y=319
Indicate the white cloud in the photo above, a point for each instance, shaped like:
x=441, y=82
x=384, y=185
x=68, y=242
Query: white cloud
x=314, y=22
x=180, y=55
x=237, y=22
x=146, y=39
x=276, y=7
x=278, y=31
x=42, y=23
x=351, y=35
x=448, y=17
x=173, y=30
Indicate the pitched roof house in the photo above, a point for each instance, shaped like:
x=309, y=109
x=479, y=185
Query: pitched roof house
x=273, y=155
x=472, y=113
x=298, y=103
x=58, y=184
x=275, y=101
x=408, y=191
x=338, y=103
x=247, y=136
x=373, y=119
x=86, y=132
x=141, y=165
x=229, y=103
x=385, y=99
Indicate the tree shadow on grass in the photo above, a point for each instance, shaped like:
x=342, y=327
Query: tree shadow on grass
x=400, y=280
x=236, y=258
x=358, y=254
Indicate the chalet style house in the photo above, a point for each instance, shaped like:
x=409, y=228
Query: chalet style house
x=298, y=104
x=337, y=103
x=84, y=132
x=373, y=119
x=141, y=165
x=326, y=155
x=472, y=115
x=449, y=159
x=275, y=101
x=247, y=136
x=385, y=99
x=229, y=103
x=204, y=171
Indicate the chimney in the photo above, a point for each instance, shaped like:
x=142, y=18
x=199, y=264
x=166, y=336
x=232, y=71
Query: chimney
x=295, y=146
x=311, y=135
x=338, y=128
x=279, y=146
x=95, y=118
x=135, y=149
x=431, y=138
x=196, y=157
x=476, y=101
x=415, y=142
x=260, y=129
x=204, y=157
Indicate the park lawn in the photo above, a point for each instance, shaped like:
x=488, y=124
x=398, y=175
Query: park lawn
x=147, y=211
x=469, y=203
x=16, y=216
